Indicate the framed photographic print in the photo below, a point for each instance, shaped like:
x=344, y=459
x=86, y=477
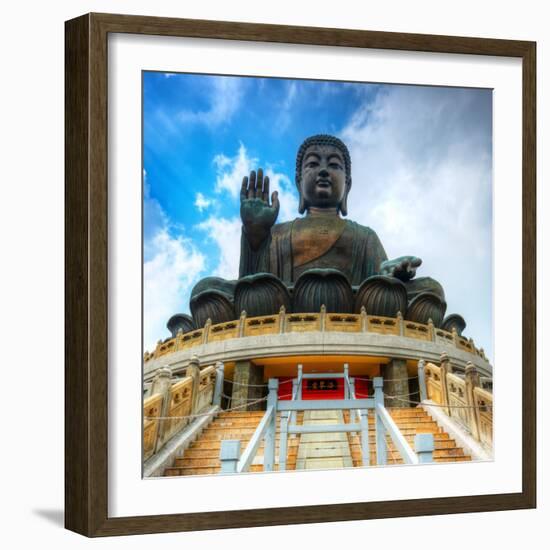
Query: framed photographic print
x=299, y=282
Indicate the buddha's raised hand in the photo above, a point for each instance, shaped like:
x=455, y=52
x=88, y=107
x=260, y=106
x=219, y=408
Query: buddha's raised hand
x=257, y=214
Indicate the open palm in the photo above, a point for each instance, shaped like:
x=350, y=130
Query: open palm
x=257, y=214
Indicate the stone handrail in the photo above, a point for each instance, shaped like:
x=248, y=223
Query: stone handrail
x=309, y=322
x=461, y=398
x=434, y=386
x=152, y=407
x=174, y=402
x=232, y=461
x=458, y=402
x=484, y=410
x=181, y=402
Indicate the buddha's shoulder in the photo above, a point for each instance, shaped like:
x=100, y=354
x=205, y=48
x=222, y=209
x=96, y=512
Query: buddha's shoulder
x=362, y=230
x=282, y=229
x=285, y=228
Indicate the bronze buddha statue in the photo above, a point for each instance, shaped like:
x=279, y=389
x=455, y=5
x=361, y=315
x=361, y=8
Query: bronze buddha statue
x=320, y=258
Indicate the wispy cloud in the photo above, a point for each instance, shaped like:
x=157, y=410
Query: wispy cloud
x=172, y=265
x=226, y=234
x=224, y=97
x=288, y=196
x=422, y=179
x=285, y=111
x=201, y=202
x=230, y=171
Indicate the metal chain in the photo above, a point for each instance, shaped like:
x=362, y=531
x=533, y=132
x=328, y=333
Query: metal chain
x=204, y=414
x=386, y=379
x=438, y=405
x=253, y=385
x=400, y=395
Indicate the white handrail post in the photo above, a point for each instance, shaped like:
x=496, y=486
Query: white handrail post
x=229, y=455
x=348, y=392
x=346, y=380
x=292, y=416
x=422, y=380
x=218, y=388
x=381, y=453
x=364, y=422
x=298, y=392
x=424, y=447
x=269, y=448
x=353, y=412
x=283, y=443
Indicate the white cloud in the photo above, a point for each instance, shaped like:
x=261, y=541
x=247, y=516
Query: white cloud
x=201, y=202
x=284, y=115
x=421, y=165
x=168, y=276
x=230, y=171
x=288, y=195
x=172, y=265
x=226, y=234
x=224, y=96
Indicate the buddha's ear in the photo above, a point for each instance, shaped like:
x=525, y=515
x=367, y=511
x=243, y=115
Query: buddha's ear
x=344, y=203
x=302, y=205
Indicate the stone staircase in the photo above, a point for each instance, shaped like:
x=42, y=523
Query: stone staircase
x=202, y=457
x=410, y=421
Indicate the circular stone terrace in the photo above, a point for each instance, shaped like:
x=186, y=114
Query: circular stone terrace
x=314, y=334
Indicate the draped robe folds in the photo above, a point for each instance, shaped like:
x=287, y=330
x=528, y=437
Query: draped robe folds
x=363, y=253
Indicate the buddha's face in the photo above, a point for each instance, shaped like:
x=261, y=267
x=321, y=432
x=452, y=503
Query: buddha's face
x=323, y=183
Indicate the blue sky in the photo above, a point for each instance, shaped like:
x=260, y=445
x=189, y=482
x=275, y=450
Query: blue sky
x=421, y=168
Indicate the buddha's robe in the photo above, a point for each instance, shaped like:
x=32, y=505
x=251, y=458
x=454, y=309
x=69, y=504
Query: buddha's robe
x=315, y=242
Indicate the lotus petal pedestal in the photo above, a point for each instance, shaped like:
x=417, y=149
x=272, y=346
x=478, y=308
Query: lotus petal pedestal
x=318, y=287
x=382, y=295
x=261, y=294
x=180, y=321
x=426, y=306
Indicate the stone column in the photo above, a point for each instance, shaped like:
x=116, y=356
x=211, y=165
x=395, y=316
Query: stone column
x=445, y=368
x=194, y=371
x=472, y=380
x=162, y=382
x=247, y=379
x=395, y=383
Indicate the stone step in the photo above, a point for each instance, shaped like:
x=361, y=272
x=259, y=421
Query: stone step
x=438, y=453
x=209, y=470
x=440, y=436
x=215, y=453
x=171, y=471
x=212, y=445
x=392, y=461
x=239, y=414
x=212, y=468
x=441, y=444
x=227, y=433
x=214, y=461
x=202, y=457
x=231, y=426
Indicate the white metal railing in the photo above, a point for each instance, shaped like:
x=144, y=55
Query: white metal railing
x=233, y=462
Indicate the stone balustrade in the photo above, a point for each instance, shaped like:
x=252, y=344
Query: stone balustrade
x=172, y=403
x=313, y=322
x=462, y=398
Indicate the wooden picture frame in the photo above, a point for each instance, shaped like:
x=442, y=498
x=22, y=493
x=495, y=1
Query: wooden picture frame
x=86, y=283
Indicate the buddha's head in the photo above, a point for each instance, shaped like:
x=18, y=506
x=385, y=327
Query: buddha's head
x=323, y=173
